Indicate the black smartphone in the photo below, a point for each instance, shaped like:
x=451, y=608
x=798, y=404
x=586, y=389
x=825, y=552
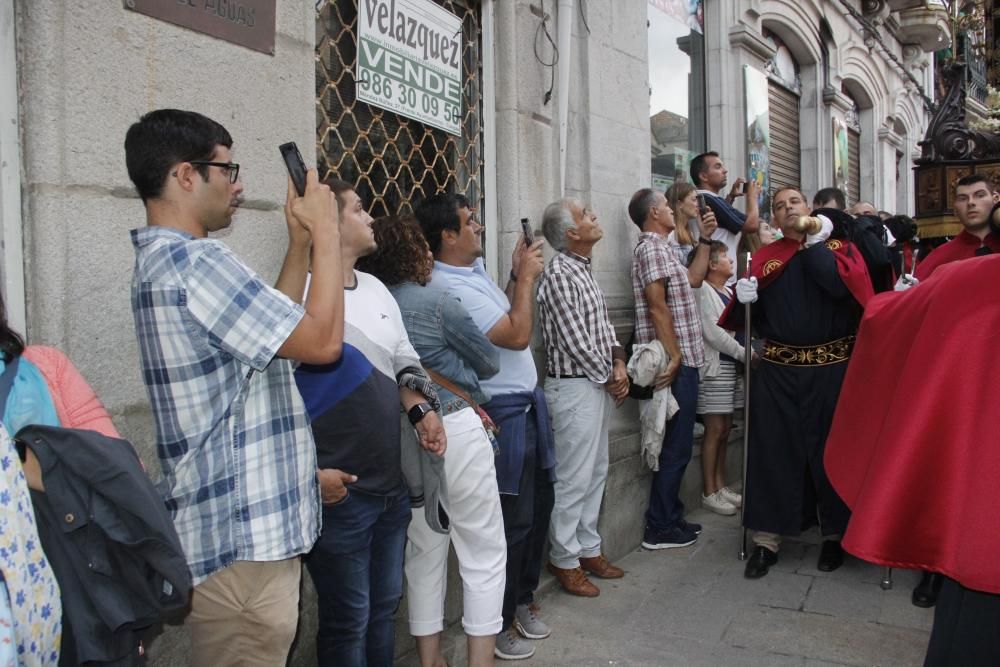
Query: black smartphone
x=702, y=206
x=529, y=235
x=296, y=167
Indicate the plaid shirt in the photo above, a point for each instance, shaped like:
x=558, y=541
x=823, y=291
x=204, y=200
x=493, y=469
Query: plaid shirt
x=653, y=260
x=233, y=439
x=579, y=338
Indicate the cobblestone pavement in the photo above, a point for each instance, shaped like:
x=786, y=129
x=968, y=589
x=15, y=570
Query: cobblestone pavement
x=692, y=607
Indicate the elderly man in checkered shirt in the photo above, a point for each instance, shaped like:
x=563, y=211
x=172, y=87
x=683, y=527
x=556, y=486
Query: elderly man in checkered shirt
x=586, y=372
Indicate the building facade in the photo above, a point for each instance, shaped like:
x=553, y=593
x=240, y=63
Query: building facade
x=590, y=99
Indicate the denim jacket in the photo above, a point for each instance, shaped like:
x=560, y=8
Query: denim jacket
x=447, y=340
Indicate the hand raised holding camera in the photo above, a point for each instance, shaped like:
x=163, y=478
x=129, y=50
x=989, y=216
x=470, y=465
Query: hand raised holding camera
x=527, y=261
x=316, y=211
x=707, y=224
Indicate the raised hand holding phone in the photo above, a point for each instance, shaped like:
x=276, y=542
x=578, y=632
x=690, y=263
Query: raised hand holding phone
x=296, y=167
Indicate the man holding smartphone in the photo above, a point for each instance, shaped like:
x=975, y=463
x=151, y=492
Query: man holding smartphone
x=216, y=344
x=710, y=175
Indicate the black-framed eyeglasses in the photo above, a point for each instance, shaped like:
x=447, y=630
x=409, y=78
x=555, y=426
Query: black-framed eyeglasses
x=231, y=167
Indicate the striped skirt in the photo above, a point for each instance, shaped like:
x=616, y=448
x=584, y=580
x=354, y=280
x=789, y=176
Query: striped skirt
x=722, y=394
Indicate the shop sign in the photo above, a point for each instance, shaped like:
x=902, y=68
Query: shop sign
x=410, y=61
x=249, y=23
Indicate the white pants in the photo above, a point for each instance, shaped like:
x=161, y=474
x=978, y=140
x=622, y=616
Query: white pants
x=580, y=411
x=473, y=506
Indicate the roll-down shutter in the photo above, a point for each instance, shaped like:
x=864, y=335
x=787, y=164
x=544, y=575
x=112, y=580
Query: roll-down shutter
x=784, y=131
x=853, y=167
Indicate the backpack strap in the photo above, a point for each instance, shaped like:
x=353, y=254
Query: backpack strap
x=7, y=383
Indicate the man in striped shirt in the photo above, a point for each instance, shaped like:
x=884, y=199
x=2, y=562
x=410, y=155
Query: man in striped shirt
x=586, y=370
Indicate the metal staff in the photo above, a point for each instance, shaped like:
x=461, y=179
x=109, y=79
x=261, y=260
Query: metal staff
x=747, y=358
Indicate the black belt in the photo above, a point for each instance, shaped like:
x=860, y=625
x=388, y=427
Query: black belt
x=834, y=352
x=563, y=376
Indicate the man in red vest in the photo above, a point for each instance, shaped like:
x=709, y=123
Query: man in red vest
x=811, y=292
x=974, y=199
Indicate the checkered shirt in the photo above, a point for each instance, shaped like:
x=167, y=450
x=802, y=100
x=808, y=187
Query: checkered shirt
x=654, y=260
x=575, y=327
x=233, y=438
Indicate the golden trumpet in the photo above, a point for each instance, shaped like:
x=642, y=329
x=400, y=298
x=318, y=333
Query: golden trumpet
x=808, y=224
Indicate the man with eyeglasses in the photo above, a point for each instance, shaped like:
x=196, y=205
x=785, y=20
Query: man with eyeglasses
x=516, y=404
x=216, y=344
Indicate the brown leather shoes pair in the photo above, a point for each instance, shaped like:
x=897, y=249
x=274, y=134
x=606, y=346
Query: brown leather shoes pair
x=575, y=582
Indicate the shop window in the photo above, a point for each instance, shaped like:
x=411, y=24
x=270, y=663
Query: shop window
x=676, y=50
x=394, y=162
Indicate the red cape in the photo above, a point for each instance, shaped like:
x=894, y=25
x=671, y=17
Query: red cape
x=914, y=449
x=770, y=261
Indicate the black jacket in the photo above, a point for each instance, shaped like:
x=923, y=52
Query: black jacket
x=110, y=542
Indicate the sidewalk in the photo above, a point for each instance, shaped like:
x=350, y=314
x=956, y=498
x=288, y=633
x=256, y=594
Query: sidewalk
x=692, y=607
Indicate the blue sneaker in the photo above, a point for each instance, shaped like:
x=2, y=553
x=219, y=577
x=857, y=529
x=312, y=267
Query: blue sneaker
x=693, y=527
x=678, y=536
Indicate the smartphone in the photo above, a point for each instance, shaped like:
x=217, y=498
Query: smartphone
x=296, y=167
x=702, y=206
x=529, y=235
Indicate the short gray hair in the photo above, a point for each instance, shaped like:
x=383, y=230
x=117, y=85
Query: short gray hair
x=556, y=221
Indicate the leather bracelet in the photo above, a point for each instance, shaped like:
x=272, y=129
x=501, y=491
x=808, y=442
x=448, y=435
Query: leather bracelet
x=702, y=240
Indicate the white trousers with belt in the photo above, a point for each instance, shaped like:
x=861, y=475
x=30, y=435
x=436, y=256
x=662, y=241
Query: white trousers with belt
x=580, y=411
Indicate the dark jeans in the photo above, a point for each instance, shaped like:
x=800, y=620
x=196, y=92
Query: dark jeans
x=665, y=506
x=526, y=526
x=357, y=568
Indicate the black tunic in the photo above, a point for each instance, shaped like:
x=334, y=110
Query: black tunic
x=791, y=407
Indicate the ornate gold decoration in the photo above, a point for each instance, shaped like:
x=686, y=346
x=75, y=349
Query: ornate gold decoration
x=834, y=244
x=834, y=352
x=772, y=266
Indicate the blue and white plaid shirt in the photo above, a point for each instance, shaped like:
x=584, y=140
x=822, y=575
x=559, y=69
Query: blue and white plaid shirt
x=233, y=438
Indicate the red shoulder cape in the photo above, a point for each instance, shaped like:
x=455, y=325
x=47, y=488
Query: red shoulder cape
x=914, y=449
x=769, y=262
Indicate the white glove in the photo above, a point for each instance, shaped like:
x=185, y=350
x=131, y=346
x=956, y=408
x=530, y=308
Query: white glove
x=905, y=282
x=746, y=290
x=823, y=234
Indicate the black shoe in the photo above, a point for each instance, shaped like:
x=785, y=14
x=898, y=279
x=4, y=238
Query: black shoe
x=926, y=592
x=760, y=562
x=693, y=527
x=831, y=556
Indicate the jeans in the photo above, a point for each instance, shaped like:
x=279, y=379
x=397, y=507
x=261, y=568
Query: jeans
x=665, y=506
x=357, y=568
x=526, y=525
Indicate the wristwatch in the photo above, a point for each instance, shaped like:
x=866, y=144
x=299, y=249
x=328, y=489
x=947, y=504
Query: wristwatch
x=418, y=412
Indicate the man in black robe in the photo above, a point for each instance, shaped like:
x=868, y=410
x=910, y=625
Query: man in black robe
x=808, y=295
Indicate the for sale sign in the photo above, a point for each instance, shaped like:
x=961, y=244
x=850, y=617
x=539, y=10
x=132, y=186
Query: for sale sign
x=410, y=61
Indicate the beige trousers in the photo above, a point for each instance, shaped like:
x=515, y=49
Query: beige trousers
x=246, y=614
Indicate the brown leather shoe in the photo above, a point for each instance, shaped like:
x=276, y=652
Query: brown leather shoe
x=574, y=581
x=600, y=567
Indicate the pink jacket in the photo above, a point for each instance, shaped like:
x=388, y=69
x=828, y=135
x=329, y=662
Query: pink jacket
x=76, y=403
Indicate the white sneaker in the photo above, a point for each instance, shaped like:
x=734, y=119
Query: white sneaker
x=735, y=499
x=718, y=504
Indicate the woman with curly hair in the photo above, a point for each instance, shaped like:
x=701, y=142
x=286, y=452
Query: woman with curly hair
x=456, y=354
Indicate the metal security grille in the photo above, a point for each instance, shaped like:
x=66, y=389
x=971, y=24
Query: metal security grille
x=783, y=108
x=853, y=167
x=392, y=161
